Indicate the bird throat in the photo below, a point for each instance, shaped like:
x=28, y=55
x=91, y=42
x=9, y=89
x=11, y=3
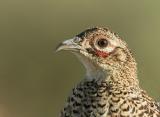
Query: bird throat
x=93, y=71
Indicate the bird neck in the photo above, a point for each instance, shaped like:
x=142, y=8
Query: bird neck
x=124, y=77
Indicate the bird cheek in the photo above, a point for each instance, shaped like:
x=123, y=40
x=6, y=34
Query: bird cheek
x=101, y=54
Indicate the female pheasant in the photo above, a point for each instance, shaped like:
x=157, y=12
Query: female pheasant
x=110, y=87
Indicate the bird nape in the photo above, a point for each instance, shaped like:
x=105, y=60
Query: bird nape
x=110, y=87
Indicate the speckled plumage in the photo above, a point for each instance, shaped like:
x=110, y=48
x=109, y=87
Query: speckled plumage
x=110, y=88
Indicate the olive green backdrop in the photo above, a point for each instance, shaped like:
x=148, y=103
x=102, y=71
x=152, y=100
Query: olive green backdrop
x=34, y=81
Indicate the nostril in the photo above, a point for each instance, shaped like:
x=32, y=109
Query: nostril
x=77, y=40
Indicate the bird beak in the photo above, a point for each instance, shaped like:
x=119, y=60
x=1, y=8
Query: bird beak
x=69, y=45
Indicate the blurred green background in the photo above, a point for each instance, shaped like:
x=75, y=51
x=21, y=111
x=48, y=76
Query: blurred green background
x=34, y=81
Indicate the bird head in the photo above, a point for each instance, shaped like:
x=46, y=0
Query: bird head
x=99, y=49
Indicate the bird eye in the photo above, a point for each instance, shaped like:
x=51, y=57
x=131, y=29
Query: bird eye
x=102, y=43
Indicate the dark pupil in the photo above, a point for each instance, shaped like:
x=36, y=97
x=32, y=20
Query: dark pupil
x=102, y=43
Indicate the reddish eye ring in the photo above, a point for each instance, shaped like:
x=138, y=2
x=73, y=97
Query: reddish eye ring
x=102, y=43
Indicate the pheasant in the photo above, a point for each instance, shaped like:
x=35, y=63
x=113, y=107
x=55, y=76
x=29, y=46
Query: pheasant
x=110, y=87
